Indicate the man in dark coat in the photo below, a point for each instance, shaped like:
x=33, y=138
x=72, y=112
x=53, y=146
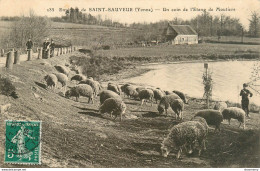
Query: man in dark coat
x=245, y=99
x=46, y=46
x=29, y=44
x=52, y=47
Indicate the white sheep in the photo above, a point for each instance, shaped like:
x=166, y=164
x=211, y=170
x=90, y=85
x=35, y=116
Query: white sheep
x=81, y=90
x=51, y=80
x=114, y=87
x=106, y=94
x=113, y=106
x=63, y=79
x=93, y=84
x=62, y=69
x=78, y=77
x=146, y=94
x=213, y=117
x=177, y=106
x=235, y=113
x=220, y=106
x=184, y=135
x=167, y=101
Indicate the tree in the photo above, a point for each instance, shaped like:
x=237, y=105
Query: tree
x=254, y=26
x=33, y=27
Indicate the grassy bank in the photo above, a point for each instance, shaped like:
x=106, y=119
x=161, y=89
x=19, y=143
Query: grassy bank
x=74, y=134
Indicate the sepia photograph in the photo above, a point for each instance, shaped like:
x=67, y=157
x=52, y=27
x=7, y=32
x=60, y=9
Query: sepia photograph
x=129, y=84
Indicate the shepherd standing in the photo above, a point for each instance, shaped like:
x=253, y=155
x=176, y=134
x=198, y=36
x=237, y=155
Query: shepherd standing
x=245, y=99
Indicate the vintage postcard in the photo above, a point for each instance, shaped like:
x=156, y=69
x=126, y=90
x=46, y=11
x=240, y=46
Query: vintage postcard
x=129, y=84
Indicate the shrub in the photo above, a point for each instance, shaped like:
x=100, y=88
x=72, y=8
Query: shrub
x=6, y=86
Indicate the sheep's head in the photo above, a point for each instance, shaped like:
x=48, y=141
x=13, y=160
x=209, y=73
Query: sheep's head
x=68, y=94
x=160, y=109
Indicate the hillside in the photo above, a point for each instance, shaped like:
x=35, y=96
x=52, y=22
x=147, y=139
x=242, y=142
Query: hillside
x=75, y=135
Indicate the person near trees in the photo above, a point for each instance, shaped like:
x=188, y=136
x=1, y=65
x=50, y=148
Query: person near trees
x=52, y=47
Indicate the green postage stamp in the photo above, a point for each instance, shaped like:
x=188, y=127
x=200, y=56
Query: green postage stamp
x=22, y=143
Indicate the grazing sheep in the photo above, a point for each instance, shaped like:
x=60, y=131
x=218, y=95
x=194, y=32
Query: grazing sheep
x=166, y=101
x=78, y=77
x=138, y=89
x=123, y=87
x=235, y=113
x=168, y=92
x=177, y=106
x=106, y=94
x=114, y=87
x=183, y=135
x=81, y=90
x=93, y=84
x=158, y=94
x=130, y=91
x=63, y=79
x=213, y=117
x=220, y=106
x=146, y=94
x=181, y=95
x=51, y=80
x=62, y=69
x=114, y=106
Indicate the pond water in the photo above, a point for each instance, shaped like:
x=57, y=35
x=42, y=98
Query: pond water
x=228, y=77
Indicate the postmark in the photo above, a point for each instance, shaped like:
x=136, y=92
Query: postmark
x=23, y=142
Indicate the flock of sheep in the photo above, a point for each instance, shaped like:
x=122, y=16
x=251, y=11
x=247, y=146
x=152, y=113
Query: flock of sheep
x=185, y=135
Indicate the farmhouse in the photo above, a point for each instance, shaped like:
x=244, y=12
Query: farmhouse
x=181, y=34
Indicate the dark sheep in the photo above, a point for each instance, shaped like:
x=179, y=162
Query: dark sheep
x=106, y=94
x=181, y=95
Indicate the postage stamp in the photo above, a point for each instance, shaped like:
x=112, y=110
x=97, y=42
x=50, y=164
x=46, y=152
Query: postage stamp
x=23, y=142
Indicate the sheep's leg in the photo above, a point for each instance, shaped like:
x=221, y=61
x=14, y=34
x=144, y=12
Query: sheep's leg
x=151, y=102
x=142, y=101
x=229, y=121
x=77, y=99
x=179, y=153
x=121, y=117
x=239, y=125
x=204, y=145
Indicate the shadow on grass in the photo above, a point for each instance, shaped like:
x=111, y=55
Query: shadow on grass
x=88, y=109
x=40, y=85
x=151, y=115
x=92, y=113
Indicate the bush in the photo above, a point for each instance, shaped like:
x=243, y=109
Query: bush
x=6, y=86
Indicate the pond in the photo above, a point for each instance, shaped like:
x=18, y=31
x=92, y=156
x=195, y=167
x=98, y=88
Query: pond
x=228, y=77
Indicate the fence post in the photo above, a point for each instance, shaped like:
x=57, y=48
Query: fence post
x=10, y=60
x=29, y=51
x=17, y=57
x=40, y=53
x=2, y=52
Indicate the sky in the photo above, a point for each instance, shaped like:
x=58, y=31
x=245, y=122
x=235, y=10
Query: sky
x=153, y=9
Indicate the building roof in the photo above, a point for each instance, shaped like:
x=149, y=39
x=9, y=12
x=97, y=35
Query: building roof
x=181, y=30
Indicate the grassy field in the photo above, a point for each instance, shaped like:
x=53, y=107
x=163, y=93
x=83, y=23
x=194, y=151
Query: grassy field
x=75, y=135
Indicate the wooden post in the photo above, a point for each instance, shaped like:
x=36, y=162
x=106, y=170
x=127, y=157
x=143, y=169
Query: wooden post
x=40, y=53
x=29, y=51
x=48, y=54
x=10, y=60
x=2, y=52
x=17, y=57
x=206, y=65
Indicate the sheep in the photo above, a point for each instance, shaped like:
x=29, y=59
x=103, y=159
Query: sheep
x=81, y=90
x=51, y=80
x=213, y=117
x=183, y=135
x=168, y=92
x=181, y=95
x=235, y=113
x=146, y=94
x=114, y=106
x=220, y=106
x=177, y=106
x=114, y=87
x=63, y=79
x=166, y=101
x=158, y=94
x=130, y=91
x=78, y=77
x=93, y=84
x=62, y=69
x=123, y=87
x=106, y=94
x=138, y=89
